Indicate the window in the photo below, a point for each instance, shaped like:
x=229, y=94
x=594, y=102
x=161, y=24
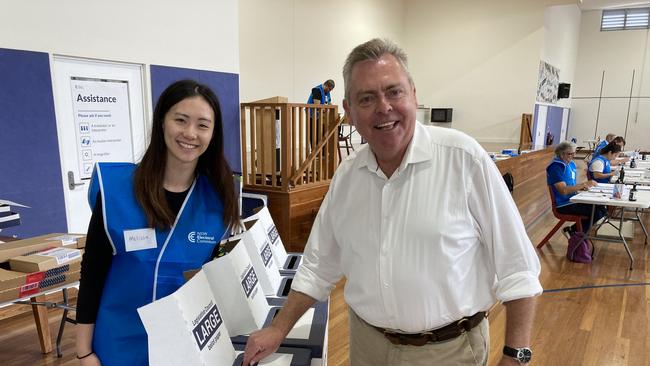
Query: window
x=624, y=19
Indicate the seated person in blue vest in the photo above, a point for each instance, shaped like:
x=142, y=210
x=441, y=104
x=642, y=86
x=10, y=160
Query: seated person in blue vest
x=603, y=143
x=600, y=168
x=320, y=94
x=561, y=176
x=140, y=238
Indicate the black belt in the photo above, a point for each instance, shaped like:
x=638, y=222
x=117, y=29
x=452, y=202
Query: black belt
x=449, y=331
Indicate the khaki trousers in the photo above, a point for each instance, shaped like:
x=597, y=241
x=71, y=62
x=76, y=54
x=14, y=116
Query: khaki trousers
x=368, y=347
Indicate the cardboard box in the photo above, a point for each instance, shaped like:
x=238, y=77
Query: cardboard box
x=38, y=287
x=45, y=260
x=27, y=246
x=13, y=279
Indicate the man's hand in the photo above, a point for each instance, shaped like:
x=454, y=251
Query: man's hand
x=261, y=344
x=589, y=184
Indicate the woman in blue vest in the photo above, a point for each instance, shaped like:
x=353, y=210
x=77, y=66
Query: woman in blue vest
x=561, y=176
x=151, y=222
x=600, y=168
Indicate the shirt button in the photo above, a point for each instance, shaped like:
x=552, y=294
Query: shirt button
x=386, y=285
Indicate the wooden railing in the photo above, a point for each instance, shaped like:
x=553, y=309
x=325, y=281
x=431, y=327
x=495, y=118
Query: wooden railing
x=288, y=145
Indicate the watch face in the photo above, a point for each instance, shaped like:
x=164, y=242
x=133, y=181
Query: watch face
x=524, y=355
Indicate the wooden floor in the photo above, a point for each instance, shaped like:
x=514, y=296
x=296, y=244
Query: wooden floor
x=578, y=325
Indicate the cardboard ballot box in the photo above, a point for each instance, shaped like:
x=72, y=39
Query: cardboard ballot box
x=259, y=249
x=291, y=265
x=284, y=356
x=285, y=286
x=236, y=288
x=188, y=328
x=310, y=331
x=264, y=217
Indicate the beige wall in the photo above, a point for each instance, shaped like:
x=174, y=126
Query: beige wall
x=561, y=38
x=480, y=58
x=621, y=56
x=289, y=46
x=195, y=34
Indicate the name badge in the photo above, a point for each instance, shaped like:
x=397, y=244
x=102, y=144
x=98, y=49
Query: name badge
x=140, y=239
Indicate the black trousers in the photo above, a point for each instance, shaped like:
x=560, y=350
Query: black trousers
x=583, y=209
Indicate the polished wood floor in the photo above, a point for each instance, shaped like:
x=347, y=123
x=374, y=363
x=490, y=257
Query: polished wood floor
x=598, y=316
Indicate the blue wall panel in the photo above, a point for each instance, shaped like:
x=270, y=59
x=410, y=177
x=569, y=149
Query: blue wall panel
x=225, y=85
x=30, y=169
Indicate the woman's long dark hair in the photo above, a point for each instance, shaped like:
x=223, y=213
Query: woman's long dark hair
x=149, y=174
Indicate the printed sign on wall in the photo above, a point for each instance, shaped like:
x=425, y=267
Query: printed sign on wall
x=547, y=83
x=102, y=122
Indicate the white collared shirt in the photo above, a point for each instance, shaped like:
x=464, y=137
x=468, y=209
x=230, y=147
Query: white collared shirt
x=440, y=240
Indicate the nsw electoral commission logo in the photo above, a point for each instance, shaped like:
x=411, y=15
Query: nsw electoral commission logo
x=200, y=237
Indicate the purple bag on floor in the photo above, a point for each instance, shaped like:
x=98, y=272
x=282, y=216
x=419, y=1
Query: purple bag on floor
x=579, y=249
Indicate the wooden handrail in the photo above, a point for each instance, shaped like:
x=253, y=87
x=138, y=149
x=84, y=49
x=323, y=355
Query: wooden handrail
x=310, y=158
x=283, y=141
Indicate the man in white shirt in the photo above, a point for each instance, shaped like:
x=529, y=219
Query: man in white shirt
x=422, y=226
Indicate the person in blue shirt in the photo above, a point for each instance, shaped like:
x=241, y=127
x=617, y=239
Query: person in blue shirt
x=320, y=94
x=561, y=175
x=151, y=222
x=603, y=143
x=600, y=168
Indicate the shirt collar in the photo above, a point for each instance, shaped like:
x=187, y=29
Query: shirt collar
x=418, y=150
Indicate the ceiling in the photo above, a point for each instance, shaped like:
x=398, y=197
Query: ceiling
x=611, y=4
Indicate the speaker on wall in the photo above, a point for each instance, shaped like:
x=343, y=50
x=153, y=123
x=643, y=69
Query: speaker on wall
x=563, y=90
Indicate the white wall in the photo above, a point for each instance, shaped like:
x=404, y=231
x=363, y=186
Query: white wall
x=195, y=34
x=560, y=44
x=619, y=54
x=289, y=46
x=480, y=58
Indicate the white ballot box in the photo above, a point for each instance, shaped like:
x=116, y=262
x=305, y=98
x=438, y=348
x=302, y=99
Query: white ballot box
x=284, y=356
x=310, y=331
x=187, y=328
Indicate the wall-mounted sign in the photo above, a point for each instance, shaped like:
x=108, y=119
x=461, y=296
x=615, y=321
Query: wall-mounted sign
x=102, y=122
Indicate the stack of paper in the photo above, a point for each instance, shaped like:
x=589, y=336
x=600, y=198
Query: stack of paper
x=8, y=218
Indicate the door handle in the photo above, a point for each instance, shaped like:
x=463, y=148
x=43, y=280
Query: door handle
x=71, y=182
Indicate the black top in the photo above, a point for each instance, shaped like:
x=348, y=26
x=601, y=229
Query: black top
x=316, y=94
x=98, y=256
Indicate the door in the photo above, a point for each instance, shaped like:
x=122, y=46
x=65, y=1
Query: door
x=100, y=116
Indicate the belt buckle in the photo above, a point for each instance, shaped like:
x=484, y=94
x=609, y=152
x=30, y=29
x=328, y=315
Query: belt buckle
x=461, y=324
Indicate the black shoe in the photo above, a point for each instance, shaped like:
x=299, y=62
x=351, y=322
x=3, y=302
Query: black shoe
x=568, y=231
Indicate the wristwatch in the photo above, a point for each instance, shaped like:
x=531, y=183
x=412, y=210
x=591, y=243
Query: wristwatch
x=522, y=355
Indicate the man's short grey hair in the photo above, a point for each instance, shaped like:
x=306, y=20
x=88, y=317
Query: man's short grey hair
x=373, y=50
x=563, y=147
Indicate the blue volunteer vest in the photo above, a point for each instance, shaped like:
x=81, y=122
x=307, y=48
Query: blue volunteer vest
x=137, y=278
x=568, y=177
x=326, y=99
x=599, y=147
x=607, y=168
